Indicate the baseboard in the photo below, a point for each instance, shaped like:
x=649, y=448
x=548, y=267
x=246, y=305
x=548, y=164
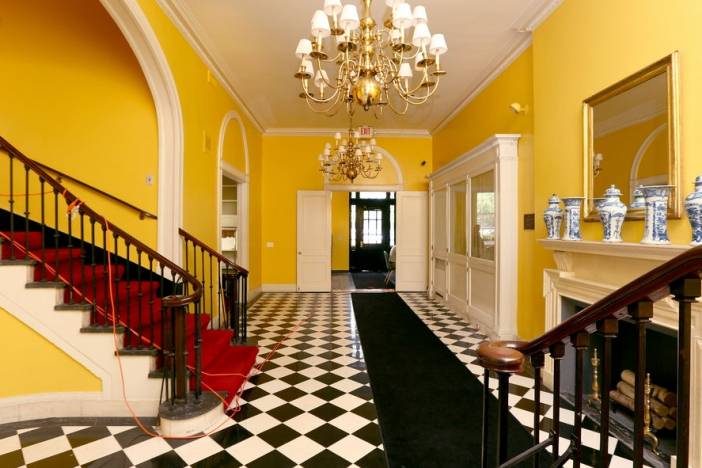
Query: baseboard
x=254, y=295
x=70, y=405
x=278, y=287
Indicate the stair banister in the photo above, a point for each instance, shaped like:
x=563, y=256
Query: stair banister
x=174, y=307
x=679, y=277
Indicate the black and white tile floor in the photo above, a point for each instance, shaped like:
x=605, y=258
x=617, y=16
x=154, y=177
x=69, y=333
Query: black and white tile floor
x=311, y=405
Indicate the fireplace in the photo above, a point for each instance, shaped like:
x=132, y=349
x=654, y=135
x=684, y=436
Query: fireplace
x=661, y=359
x=586, y=272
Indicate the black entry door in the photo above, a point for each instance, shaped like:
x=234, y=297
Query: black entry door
x=370, y=232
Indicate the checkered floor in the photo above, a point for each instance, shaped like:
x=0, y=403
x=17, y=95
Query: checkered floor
x=311, y=405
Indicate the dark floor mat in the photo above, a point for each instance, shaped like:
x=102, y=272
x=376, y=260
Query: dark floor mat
x=369, y=280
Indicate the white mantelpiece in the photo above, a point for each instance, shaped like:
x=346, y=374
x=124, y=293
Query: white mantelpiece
x=587, y=271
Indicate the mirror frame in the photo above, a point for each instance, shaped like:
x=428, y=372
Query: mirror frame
x=670, y=65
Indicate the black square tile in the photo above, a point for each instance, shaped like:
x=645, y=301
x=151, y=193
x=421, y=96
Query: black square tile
x=87, y=435
x=326, y=435
x=361, y=378
x=329, y=365
x=40, y=435
x=300, y=355
x=328, y=393
x=363, y=392
x=242, y=412
x=113, y=460
x=294, y=378
x=290, y=394
x=253, y=394
x=530, y=406
x=326, y=459
x=218, y=460
x=279, y=435
x=131, y=437
x=327, y=411
x=12, y=459
x=366, y=410
x=165, y=460
x=273, y=459
x=297, y=366
x=328, y=378
x=370, y=433
x=230, y=436
x=375, y=459
x=62, y=459
x=285, y=412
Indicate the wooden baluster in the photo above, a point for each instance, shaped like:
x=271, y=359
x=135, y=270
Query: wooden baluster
x=641, y=312
x=609, y=328
x=26, y=215
x=140, y=296
x=486, y=426
x=503, y=415
x=43, y=230
x=244, y=299
x=70, y=257
x=152, y=295
x=83, y=266
x=580, y=342
x=685, y=291
x=557, y=351
x=93, y=267
x=11, y=201
x=56, y=234
x=115, y=240
x=537, y=362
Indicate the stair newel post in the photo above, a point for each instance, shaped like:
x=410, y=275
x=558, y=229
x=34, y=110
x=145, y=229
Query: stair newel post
x=641, y=312
x=11, y=201
x=580, y=342
x=69, y=221
x=105, y=279
x=608, y=328
x=537, y=362
x=212, y=307
x=557, y=351
x=93, y=268
x=685, y=291
x=151, y=301
x=486, y=426
x=43, y=229
x=243, y=299
x=56, y=230
x=26, y=213
x=115, y=239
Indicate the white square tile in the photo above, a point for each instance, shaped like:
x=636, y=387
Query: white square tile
x=267, y=402
x=259, y=423
x=351, y=448
x=9, y=444
x=198, y=450
x=349, y=422
x=304, y=423
x=312, y=372
x=96, y=449
x=147, y=450
x=348, y=401
x=45, y=449
x=250, y=449
x=300, y=449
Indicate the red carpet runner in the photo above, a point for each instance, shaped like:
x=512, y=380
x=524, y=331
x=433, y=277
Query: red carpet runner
x=138, y=307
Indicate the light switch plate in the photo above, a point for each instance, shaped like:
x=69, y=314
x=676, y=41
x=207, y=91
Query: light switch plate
x=269, y=245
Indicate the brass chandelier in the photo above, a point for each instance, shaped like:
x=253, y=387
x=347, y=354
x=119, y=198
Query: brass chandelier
x=350, y=156
x=373, y=66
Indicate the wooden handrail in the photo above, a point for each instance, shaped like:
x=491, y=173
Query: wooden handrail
x=170, y=301
x=652, y=286
x=218, y=255
x=61, y=175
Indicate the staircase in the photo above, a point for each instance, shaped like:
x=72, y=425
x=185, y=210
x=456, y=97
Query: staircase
x=82, y=281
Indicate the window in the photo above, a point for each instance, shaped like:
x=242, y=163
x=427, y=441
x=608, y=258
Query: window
x=458, y=218
x=353, y=225
x=372, y=226
x=483, y=216
x=373, y=195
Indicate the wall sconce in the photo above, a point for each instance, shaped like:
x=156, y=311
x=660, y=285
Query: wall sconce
x=597, y=164
x=518, y=108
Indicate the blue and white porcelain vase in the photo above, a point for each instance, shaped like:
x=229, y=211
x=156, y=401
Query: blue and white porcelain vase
x=656, y=214
x=639, y=202
x=612, y=213
x=573, y=206
x=693, y=205
x=552, y=217
x=597, y=203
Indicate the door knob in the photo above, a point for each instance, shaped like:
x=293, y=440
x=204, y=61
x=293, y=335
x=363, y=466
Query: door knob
x=299, y=253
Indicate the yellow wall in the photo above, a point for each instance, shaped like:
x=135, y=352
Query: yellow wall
x=581, y=49
x=489, y=113
x=340, y=231
x=290, y=164
x=43, y=368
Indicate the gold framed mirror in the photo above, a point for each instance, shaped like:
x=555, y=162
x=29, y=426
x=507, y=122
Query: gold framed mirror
x=630, y=136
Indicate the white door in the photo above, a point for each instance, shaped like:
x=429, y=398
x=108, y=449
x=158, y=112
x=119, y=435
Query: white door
x=313, y=241
x=412, y=241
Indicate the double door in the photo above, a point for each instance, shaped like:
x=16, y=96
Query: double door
x=372, y=233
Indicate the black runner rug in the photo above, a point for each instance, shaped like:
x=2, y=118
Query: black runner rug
x=369, y=280
x=429, y=404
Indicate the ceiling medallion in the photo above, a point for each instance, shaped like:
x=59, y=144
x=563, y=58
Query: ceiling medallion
x=395, y=65
x=351, y=155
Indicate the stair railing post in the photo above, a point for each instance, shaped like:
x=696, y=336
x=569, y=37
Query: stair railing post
x=641, y=312
x=180, y=374
x=580, y=342
x=685, y=291
x=608, y=328
x=486, y=426
x=557, y=351
x=537, y=362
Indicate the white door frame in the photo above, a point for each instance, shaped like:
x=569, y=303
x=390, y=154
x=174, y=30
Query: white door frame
x=137, y=30
x=242, y=194
x=327, y=235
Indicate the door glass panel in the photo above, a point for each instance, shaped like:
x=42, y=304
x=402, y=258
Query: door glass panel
x=353, y=225
x=458, y=218
x=392, y=225
x=372, y=226
x=483, y=216
x=439, y=224
x=373, y=195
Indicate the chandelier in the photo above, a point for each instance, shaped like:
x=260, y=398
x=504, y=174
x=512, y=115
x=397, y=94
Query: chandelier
x=350, y=156
x=395, y=65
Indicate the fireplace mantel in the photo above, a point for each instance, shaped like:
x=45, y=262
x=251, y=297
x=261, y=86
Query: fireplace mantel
x=587, y=271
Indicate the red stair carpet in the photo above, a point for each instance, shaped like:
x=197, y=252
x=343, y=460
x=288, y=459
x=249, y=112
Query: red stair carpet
x=138, y=308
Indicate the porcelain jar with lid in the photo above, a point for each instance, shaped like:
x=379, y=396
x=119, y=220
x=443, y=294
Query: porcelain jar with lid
x=612, y=213
x=553, y=215
x=693, y=206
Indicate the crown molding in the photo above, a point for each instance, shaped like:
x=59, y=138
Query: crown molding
x=514, y=52
x=378, y=132
x=177, y=13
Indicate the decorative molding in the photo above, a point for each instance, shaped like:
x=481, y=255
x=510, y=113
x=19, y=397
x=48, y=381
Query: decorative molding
x=541, y=15
x=620, y=249
x=500, y=139
x=178, y=13
x=278, y=287
x=379, y=132
x=135, y=27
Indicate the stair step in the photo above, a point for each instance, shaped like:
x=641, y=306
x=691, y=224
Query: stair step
x=21, y=261
x=101, y=329
x=74, y=306
x=138, y=352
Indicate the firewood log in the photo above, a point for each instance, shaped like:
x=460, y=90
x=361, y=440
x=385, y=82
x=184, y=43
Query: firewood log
x=673, y=414
x=656, y=406
x=656, y=421
x=660, y=393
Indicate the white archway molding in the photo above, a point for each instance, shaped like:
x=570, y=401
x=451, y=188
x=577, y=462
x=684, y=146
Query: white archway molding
x=242, y=179
x=387, y=156
x=633, y=175
x=135, y=27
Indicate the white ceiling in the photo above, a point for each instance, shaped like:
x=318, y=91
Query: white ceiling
x=251, y=44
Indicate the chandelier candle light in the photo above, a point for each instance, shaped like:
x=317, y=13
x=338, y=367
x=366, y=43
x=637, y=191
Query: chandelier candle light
x=373, y=65
x=351, y=156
